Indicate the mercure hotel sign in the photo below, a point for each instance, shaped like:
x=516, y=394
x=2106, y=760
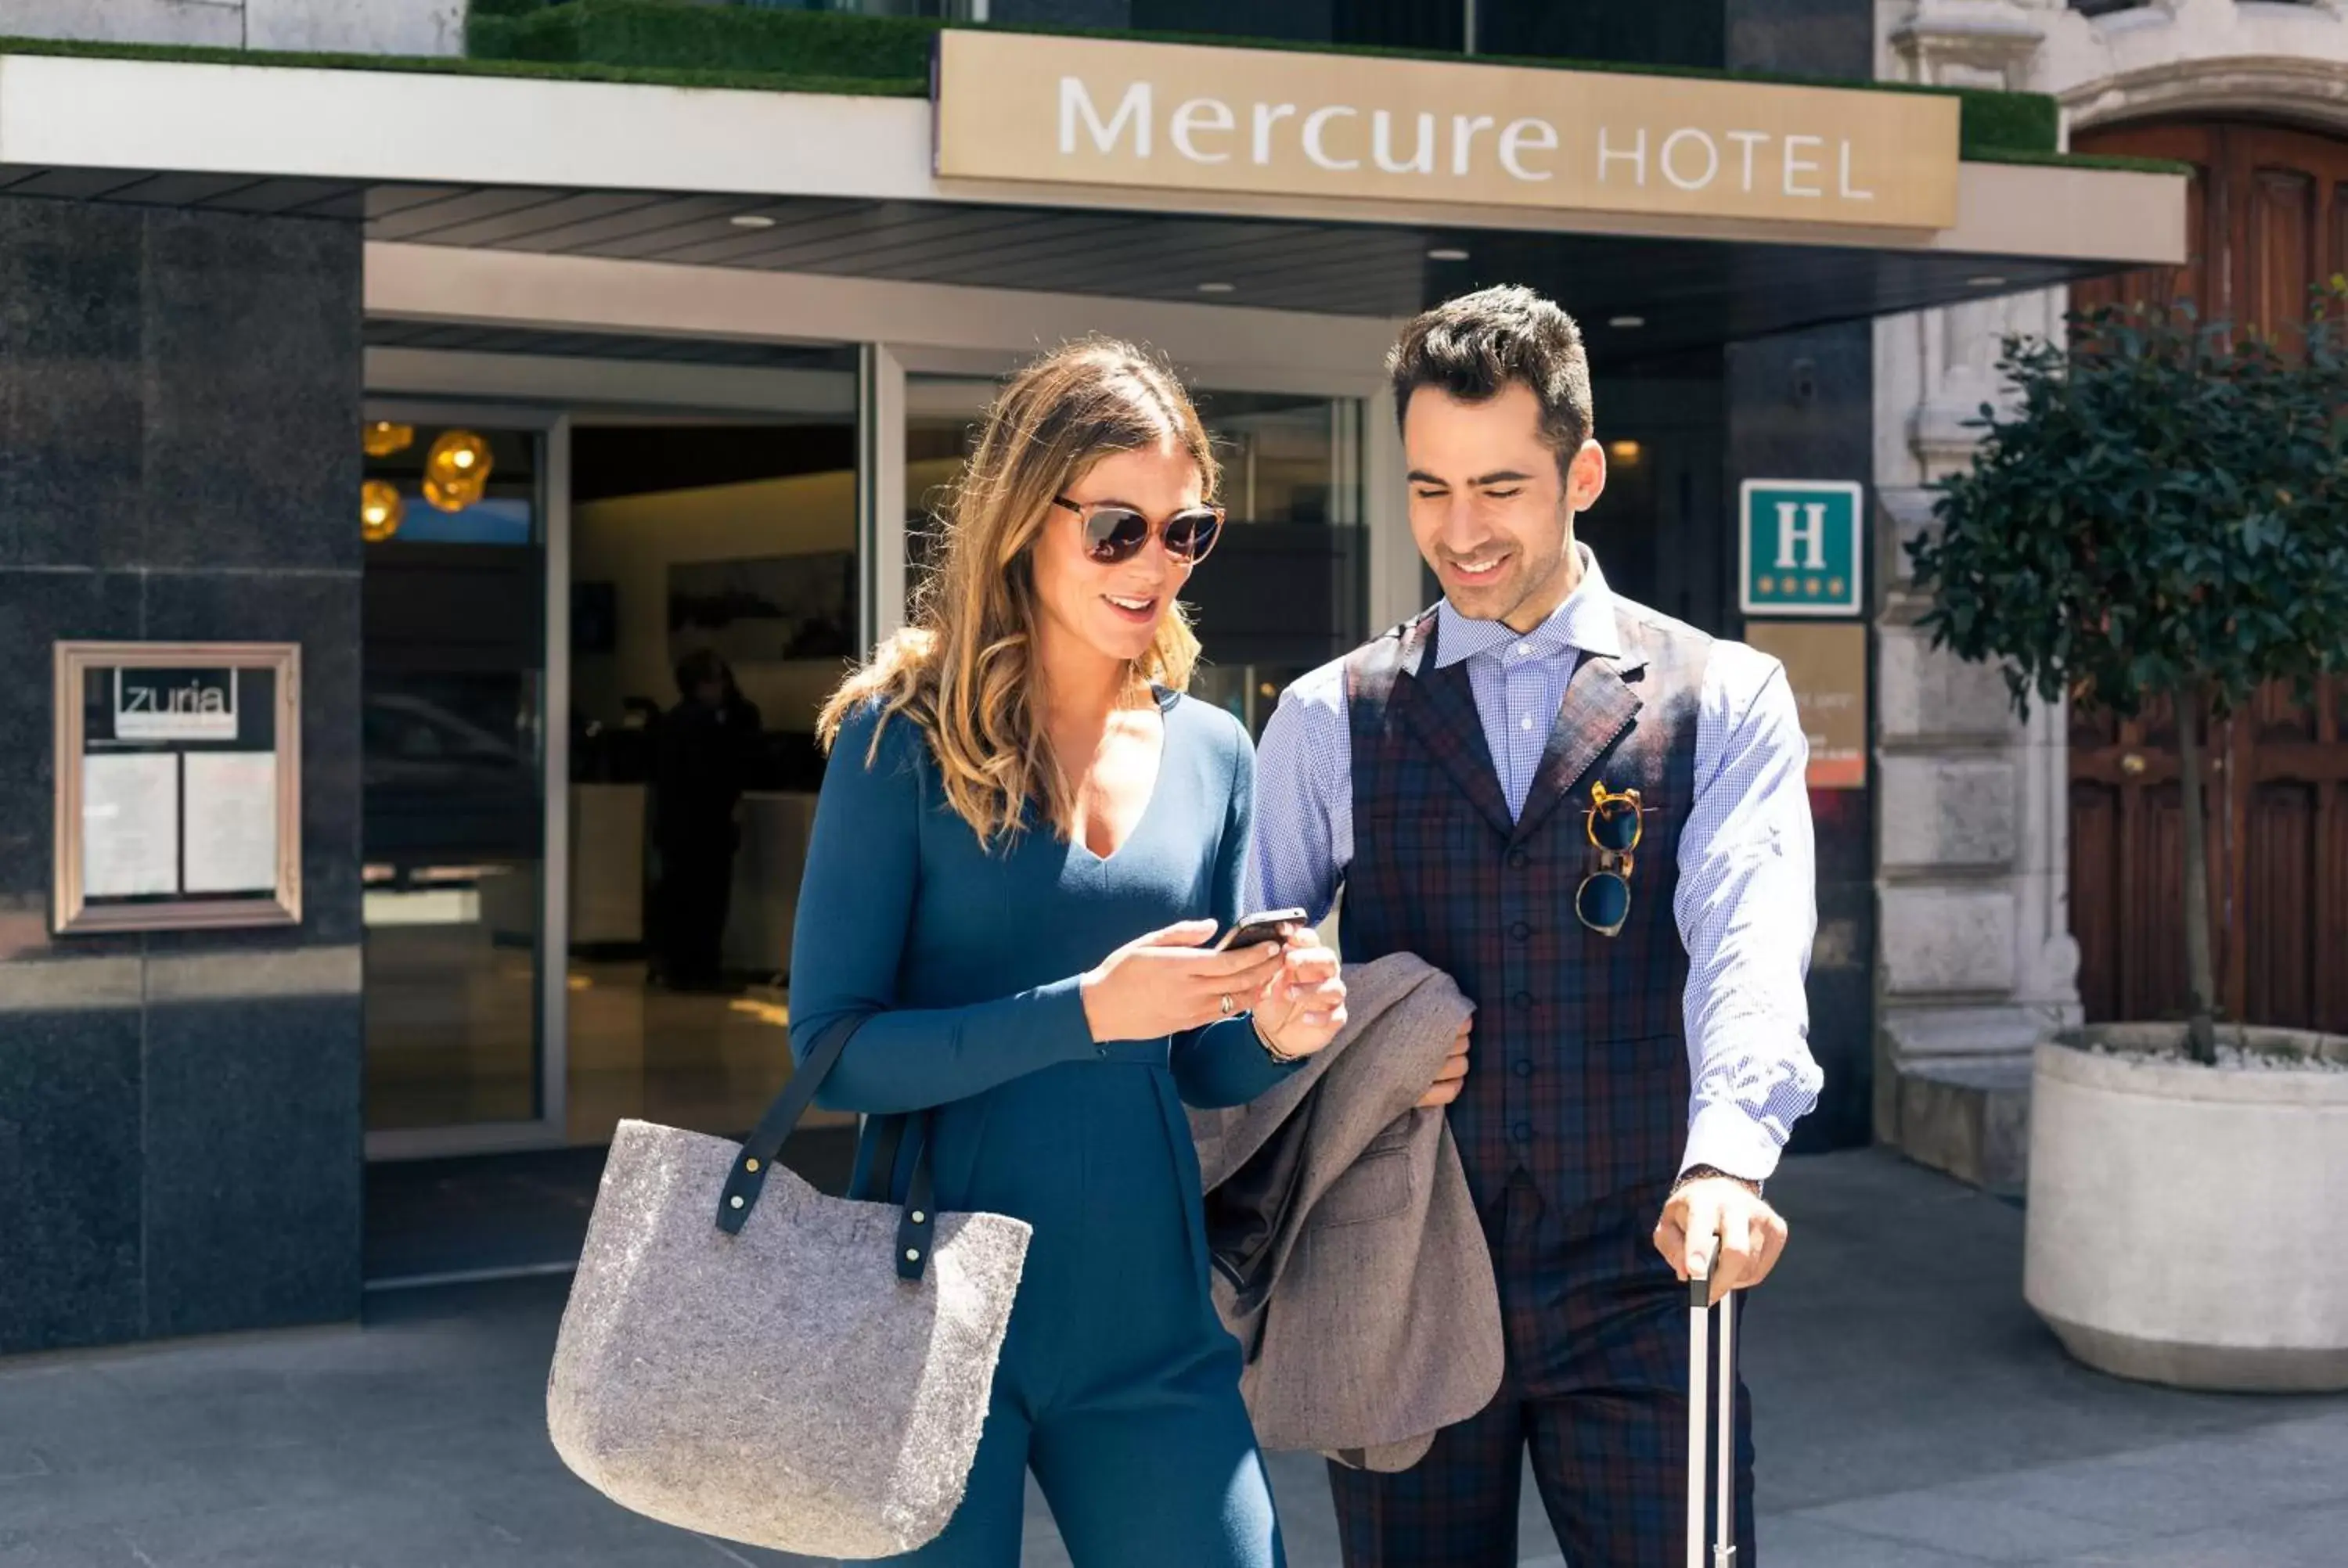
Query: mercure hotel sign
x=1108, y=112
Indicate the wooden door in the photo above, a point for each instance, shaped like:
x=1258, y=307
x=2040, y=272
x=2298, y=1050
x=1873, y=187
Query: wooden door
x=2269, y=218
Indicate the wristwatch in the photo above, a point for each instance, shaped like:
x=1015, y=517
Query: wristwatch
x=1700, y=1172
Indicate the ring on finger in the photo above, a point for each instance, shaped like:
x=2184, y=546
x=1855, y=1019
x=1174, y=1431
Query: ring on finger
x=1226, y=1004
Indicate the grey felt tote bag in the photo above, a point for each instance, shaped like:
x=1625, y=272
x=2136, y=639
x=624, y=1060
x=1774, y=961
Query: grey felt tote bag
x=748, y=1357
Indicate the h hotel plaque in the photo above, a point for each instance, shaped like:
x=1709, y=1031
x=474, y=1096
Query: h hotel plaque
x=1800, y=548
x=1280, y=122
x=179, y=786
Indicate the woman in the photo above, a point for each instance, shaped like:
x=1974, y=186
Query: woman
x=1025, y=842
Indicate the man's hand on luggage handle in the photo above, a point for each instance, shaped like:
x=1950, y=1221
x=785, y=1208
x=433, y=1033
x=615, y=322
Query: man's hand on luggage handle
x=1751, y=1234
x=1452, y=1076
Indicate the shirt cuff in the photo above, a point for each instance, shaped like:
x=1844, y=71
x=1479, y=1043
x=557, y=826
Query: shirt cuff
x=1724, y=1136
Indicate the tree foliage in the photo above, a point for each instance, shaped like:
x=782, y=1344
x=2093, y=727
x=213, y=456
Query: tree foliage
x=2163, y=510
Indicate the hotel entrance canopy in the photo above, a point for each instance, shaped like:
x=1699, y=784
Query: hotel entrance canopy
x=1312, y=185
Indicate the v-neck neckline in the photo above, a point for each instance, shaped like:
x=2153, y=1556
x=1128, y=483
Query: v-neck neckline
x=1166, y=700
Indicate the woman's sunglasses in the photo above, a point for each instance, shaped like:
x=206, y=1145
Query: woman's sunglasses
x=1615, y=826
x=1114, y=534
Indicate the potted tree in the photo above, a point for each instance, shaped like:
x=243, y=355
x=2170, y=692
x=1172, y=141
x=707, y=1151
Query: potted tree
x=2160, y=513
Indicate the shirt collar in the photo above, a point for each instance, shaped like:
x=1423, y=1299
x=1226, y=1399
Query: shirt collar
x=1585, y=621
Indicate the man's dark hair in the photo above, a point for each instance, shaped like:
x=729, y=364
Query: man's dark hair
x=1474, y=346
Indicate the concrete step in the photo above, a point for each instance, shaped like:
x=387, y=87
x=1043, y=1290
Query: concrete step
x=1969, y=1120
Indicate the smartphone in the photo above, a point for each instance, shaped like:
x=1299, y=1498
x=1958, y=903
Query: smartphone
x=1266, y=927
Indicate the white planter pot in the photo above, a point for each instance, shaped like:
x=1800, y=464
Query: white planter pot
x=2184, y=1222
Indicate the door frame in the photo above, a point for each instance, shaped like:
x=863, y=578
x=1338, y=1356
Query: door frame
x=482, y=389
x=505, y=391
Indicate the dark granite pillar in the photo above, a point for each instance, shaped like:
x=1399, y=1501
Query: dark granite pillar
x=1801, y=407
x=181, y=1133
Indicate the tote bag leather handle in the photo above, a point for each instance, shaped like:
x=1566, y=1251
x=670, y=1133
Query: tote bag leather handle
x=747, y=1179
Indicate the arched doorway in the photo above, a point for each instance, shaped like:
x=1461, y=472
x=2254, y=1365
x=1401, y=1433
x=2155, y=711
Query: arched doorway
x=2269, y=212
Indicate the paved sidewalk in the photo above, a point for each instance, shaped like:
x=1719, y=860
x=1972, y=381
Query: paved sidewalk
x=1914, y=1415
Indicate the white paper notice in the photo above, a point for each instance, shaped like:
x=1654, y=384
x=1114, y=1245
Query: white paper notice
x=129, y=825
x=232, y=822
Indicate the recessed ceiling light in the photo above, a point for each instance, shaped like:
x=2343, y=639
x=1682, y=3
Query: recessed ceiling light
x=1446, y=253
x=1626, y=323
x=751, y=221
x=1986, y=280
x=1217, y=288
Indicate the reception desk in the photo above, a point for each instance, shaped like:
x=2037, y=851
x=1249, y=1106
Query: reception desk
x=608, y=825
x=766, y=869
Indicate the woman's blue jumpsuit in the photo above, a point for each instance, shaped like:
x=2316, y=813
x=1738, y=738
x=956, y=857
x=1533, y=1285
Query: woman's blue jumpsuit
x=1118, y=1385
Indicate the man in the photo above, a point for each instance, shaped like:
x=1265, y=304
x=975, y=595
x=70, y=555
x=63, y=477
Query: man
x=1595, y=819
x=707, y=746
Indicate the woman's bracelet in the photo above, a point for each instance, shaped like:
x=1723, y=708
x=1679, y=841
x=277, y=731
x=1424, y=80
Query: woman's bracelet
x=1265, y=1040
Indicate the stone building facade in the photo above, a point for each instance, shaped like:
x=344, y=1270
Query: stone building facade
x=1978, y=959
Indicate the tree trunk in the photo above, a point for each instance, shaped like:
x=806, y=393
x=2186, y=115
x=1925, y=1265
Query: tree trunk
x=2202, y=1035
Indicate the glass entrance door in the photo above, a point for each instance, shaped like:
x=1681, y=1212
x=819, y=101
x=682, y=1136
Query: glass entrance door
x=454, y=757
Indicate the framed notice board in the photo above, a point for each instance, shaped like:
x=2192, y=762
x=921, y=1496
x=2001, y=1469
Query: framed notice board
x=179, y=786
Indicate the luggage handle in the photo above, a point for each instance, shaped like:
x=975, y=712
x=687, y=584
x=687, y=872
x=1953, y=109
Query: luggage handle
x=917, y=1217
x=1700, y=1316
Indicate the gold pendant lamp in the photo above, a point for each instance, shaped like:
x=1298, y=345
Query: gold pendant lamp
x=380, y=510
x=457, y=471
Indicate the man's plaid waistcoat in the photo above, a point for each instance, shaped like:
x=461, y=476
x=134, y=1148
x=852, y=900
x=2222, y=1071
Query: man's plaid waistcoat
x=1577, y=1062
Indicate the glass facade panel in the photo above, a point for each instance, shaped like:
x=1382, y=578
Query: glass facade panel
x=1285, y=589
x=714, y=586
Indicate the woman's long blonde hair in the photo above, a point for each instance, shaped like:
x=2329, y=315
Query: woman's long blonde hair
x=964, y=668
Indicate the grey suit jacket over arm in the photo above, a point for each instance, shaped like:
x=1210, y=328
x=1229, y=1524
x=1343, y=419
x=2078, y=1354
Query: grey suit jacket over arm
x=1349, y=1260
